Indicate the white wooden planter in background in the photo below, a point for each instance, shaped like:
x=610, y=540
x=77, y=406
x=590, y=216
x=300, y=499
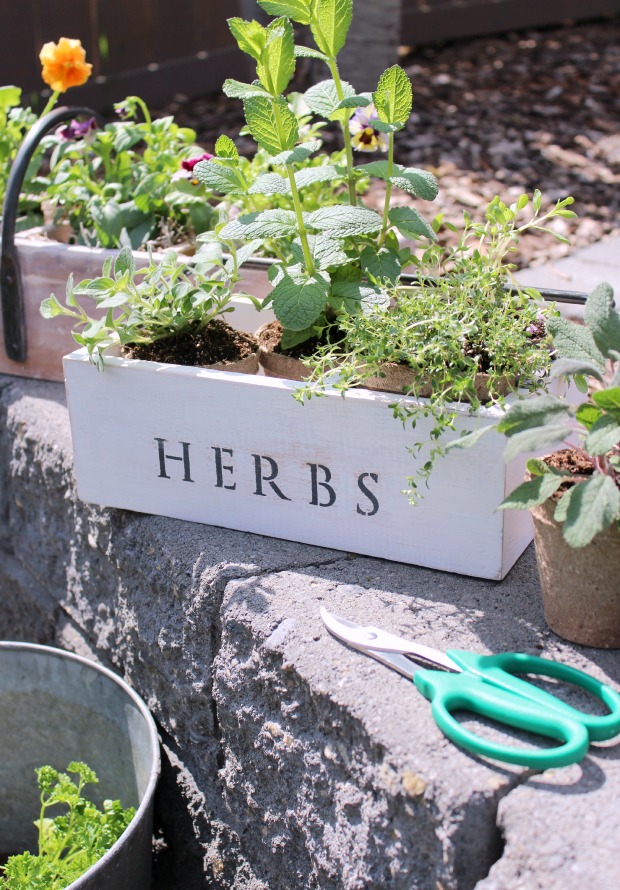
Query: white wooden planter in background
x=237, y=451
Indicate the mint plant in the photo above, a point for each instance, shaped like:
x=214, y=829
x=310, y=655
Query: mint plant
x=144, y=305
x=587, y=501
x=69, y=843
x=326, y=257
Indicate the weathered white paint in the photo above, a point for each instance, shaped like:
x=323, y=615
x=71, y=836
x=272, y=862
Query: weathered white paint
x=122, y=417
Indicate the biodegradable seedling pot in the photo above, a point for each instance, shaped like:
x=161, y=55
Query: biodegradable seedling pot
x=580, y=586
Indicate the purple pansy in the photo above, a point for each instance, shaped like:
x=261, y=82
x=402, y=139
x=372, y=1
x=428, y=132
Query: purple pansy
x=189, y=163
x=79, y=130
x=365, y=136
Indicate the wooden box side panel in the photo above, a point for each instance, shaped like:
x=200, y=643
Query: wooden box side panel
x=238, y=452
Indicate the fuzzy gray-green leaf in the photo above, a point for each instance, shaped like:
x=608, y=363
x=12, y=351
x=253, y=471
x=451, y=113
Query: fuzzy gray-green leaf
x=592, y=508
x=602, y=319
x=536, y=439
x=603, y=435
x=530, y=413
x=535, y=491
x=571, y=366
x=574, y=341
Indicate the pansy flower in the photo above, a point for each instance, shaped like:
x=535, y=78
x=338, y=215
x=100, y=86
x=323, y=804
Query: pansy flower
x=79, y=130
x=362, y=129
x=189, y=163
x=64, y=64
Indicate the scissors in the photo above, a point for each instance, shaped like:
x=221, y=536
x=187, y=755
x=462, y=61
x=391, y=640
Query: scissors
x=486, y=685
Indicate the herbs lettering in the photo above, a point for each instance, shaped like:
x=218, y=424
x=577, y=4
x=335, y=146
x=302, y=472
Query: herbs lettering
x=71, y=842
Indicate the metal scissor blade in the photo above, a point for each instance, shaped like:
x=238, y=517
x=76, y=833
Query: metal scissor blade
x=384, y=646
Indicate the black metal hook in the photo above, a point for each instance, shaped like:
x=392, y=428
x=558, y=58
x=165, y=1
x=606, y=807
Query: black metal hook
x=11, y=290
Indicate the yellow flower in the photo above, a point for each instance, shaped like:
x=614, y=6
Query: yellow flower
x=64, y=65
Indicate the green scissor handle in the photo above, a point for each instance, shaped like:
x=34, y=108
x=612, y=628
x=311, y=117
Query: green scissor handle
x=487, y=686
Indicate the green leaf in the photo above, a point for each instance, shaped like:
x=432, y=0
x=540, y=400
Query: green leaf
x=587, y=414
x=575, y=341
x=323, y=99
x=592, y=507
x=530, y=413
x=468, y=439
x=94, y=286
x=297, y=155
x=536, y=439
x=268, y=224
x=275, y=133
x=325, y=251
x=234, y=89
x=570, y=367
x=608, y=400
x=226, y=148
x=251, y=37
x=393, y=96
x=219, y=177
x=298, y=10
x=343, y=221
x=306, y=52
x=603, y=435
x=310, y=175
x=270, y=184
x=410, y=223
x=298, y=298
x=419, y=183
x=536, y=491
x=118, y=299
x=9, y=97
x=602, y=319
x=124, y=264
x=51, y=307
x=356, y=101
x=330, y=25
x=277, y=62
x=381, y=264
x=353, y=296
x=289, y=338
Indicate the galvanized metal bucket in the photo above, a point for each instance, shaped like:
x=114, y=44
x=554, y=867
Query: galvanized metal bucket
x=56, y=707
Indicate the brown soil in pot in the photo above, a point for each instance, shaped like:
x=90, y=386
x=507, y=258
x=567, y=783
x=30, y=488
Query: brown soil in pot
x=398, y=377
x=217, y=345
x=286, y=364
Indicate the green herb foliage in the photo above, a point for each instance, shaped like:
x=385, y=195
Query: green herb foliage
x=143, y=305
x=71, y=842
x=317, y=250
x=590, y=354
x=15, y=122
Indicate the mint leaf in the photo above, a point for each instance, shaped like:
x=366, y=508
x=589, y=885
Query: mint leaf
x=298, y=10
x=592, y=508
x=268, y=224
x=270, y=184
x=410, y=223
x=536, y=491
x=297, y=155
x=219, y=177
x=234, y=89
x=330, y=25
x=326, y=173
x=418, y=183
x=322, y=98
x=273, y=135
x=325, y=251
x=251, y=37
x=602, y=319
x=393, y=96
x=342, y=221
x=277, y=62
x=354, y=296
x=381, y=264
x=226, y=148
x=298, y=298
x=306, y=52
x=603, y=436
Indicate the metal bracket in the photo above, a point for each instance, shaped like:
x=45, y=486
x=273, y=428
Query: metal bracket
x=11, y=290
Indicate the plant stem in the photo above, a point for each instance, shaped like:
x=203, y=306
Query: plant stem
x=50, y=103
x=346, y=135
x=388, y=191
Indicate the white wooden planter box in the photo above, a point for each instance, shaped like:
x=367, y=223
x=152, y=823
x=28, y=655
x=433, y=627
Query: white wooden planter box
x=45, y=267
x=237, y=451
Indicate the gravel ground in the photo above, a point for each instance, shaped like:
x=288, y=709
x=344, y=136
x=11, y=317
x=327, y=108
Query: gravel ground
x=500, y=115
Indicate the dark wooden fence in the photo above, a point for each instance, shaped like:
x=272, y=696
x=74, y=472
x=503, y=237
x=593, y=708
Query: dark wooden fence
x=156, y=48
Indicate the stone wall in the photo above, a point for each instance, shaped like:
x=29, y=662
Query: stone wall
x=290, y=761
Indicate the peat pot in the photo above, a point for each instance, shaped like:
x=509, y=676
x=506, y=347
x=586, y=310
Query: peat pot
x=237, y=451
x=580, y=586
x=57, y=707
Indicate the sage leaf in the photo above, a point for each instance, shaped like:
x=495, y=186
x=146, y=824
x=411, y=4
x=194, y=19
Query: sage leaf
x=575, y=341
x=535, y=491
x=530, y=413
x=602, y=319
x=298, y=298
x=569, y=367
x=410, y=223
x=342, y=221
x=330, y=25
x=297, y=10
x=592, y=507
x=393, y=96
x=468, y=440
x=275, y=132
x=608, y=400
x=603, y=435
x=536, y=439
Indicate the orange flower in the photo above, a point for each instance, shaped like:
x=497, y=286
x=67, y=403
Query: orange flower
x=64, y=65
